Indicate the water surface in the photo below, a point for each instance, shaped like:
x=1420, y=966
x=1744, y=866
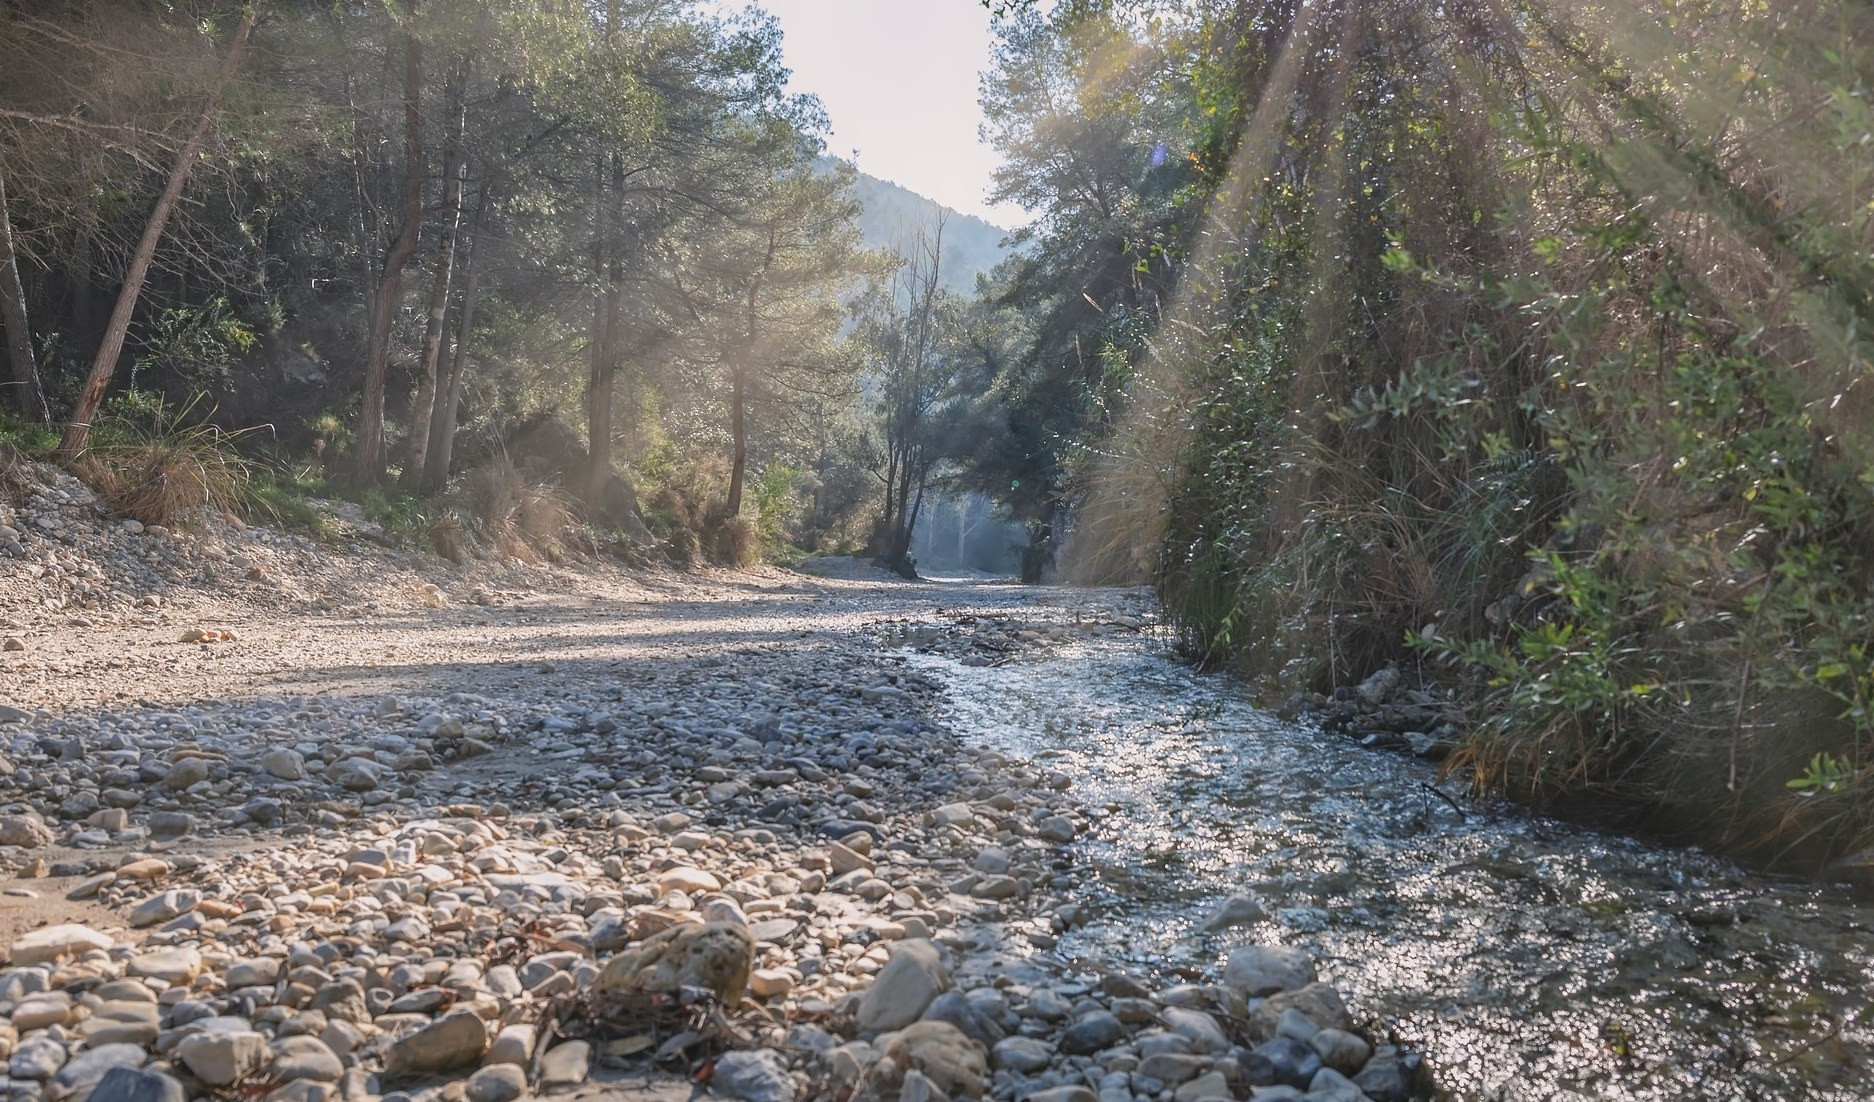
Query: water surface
x=1527, y=959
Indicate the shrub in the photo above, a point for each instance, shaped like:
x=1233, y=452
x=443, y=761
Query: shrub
x=735, y=542
x=164, y=467
x=525, y=519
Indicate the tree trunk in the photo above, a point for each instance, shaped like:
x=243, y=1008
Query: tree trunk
x=28, y=397
x=455, y=168
x=105, y=364
x=449, y=391
x=738, y=430
x=600, y=395
x=368, y=459
x=600, y=374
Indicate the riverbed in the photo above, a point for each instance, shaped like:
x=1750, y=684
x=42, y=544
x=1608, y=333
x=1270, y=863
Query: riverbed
x=1527, y=959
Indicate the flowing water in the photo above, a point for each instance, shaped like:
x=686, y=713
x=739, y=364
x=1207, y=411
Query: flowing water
x=1526, y=959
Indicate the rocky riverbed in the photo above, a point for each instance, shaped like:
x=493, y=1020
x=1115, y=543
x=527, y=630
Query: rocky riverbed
x=571, y=833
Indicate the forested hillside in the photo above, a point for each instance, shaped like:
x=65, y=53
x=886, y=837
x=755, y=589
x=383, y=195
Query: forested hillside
x=493, y=270
x=891, y=217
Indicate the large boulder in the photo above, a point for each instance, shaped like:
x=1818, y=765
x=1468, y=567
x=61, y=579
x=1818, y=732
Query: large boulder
x=905, y=987
x=713, y=955
x=938, y=1052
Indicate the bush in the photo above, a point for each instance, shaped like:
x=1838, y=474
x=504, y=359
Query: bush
x=735, y=542
x=164, y=467
x=527, y=520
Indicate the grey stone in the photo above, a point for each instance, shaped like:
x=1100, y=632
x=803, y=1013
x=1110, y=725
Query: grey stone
x=496, y=1083
x=1283, y=1061
x=1267, y=969
x=123, y=1084
x=759, y=1075
x=1092, y=1032
x=454, y=1040
x=905, y=987
x=303, y=1057
x=83, y=1072
x=1024, y=1054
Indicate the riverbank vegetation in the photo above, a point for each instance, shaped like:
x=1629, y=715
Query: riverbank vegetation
x=1522, y=345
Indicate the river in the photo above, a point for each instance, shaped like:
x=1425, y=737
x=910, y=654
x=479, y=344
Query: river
x=1527, y=959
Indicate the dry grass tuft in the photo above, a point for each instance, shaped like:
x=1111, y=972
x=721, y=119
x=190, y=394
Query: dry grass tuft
x=527, y=520
x=168, y=480
x=734, y=542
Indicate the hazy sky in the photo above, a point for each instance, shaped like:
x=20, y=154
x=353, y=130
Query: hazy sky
x=898, y=79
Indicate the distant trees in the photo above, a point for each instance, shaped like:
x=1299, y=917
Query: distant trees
x=425, y=214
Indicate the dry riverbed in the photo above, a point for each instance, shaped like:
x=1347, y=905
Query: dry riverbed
x=398, y=830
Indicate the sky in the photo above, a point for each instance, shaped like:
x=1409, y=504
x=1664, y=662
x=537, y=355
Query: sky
x=898, y=79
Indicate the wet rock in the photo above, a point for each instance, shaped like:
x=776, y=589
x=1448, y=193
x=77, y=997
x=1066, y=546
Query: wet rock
x=1266, y=969
x=905, y=987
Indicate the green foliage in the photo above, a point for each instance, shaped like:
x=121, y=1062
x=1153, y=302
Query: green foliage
x=285, y=504
x=32, y=438
x=1494, y=397
x=203, y=345
x=164, y=465
x=778, y=508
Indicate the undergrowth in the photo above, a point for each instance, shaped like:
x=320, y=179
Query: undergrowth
x=1576, y=430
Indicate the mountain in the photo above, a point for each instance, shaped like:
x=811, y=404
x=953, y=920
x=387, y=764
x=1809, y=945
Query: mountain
x=893, y=215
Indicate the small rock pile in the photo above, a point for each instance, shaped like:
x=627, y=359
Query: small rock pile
x=977, y=639
x=1383, y=712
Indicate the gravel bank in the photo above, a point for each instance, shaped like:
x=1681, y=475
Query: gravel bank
x=434, y=834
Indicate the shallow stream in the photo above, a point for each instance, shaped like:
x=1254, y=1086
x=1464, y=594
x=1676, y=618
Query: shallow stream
x=1526, y=959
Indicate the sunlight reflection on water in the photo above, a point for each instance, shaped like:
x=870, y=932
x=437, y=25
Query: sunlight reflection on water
x=1527, y=959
